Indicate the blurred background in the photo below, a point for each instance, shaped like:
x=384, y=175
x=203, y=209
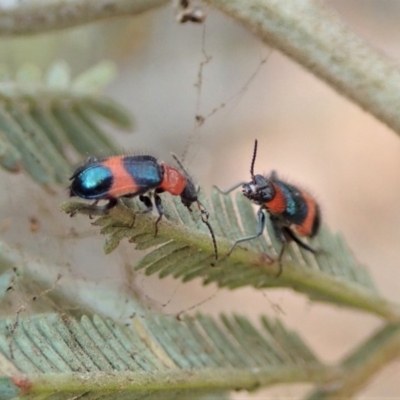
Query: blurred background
x=306, y=131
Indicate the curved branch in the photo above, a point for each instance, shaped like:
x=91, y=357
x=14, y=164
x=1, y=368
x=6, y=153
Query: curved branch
x=317, y=39
x=29, y=17
x=304, y=30
x=369, y=358
x=242, y=268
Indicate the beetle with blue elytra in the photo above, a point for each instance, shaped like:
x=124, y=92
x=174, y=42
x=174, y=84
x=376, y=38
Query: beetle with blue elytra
x=111, y=178
x=293, y=211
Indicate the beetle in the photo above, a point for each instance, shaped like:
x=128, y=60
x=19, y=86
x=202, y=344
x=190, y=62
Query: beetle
x=293, y=211
x=128, y=176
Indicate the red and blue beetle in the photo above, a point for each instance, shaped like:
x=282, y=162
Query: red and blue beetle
x=293, y=211
x=129, y=176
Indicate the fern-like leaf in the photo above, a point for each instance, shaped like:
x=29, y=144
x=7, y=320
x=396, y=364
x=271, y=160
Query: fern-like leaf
x=40, y=117
x=75, y=353
x=158, y=356
x=184, y=250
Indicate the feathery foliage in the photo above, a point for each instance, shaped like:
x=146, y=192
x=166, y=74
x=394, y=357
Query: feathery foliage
x=78, y=349
x=42, y=117
x=184, y=250
x=156, y=356
x=60, y=356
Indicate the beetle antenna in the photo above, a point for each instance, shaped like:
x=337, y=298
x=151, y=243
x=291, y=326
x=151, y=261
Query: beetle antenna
x=203, y=211
x=204, y=218
x=253, y=159
x=181, y=166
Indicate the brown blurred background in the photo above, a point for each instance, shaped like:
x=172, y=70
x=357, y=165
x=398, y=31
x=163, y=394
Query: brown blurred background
x=306, y=131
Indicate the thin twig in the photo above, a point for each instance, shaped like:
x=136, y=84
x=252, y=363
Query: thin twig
x=314, y=36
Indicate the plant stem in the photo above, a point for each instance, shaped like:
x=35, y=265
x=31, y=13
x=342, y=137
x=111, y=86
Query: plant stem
x=305, y=30
x=176, y=379
x=319, y=40
x=29, y=17
x=369, y=358
x=317, y=285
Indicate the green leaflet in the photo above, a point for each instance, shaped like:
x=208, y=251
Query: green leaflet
x=183, y=249
x=156, y=356
x=41, y=117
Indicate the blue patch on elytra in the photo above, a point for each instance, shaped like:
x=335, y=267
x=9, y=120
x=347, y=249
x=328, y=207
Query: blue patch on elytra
x=296, y=208
x=93, y=182
x=145, y=172
x=291, y=207
x=92, y=177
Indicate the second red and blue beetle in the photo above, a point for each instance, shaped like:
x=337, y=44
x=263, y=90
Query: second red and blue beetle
x=293, y=211
x=130, y=176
